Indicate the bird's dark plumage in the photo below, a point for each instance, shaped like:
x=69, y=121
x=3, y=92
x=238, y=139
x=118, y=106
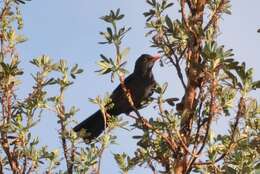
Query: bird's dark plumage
x=140, y=84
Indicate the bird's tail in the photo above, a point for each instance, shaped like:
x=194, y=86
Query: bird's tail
x=93, y=126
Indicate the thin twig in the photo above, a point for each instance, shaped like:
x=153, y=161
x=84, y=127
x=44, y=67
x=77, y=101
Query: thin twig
x=184, y=145
x=150, y=164
x=24, y=164
x=100, y=158
x=73, y=152
x=212, y=112
x=176, y=64
x=199, y=124
x=215, y=15
x=179, y=73
x=60, y=109
x=185, y=20
x=171, y=143
x=1, y=165
x=31, y=169
x=6, y=109
x=65, y=148
x=240, y=111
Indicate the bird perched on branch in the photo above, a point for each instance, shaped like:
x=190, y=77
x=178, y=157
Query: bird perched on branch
x=140, y=85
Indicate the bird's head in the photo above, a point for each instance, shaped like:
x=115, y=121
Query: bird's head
x=144, y=64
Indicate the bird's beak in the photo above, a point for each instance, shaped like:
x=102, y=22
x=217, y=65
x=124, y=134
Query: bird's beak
x=155, y=57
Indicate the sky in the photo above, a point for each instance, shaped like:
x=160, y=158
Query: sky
x=70, y=29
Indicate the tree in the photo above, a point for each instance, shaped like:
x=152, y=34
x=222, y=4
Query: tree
x=180, y=140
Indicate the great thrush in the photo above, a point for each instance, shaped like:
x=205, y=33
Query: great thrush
x=140, y=84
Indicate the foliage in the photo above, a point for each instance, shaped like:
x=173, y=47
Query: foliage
x=180, y=140
x=20, y=149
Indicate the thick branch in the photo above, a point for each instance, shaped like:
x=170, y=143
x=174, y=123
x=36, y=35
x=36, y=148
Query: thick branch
x=6, y=113
x=193, y=55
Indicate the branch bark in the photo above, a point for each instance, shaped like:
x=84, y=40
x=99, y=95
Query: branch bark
x=60, y=109
x=193, y=56
x=6, y=114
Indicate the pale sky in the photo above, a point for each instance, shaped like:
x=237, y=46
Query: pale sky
x=70, y=29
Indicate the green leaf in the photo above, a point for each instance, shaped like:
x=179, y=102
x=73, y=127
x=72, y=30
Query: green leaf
x=169, y=22
x=109, y=31
x=241, y=72
x=120, y=17
x=122, y=161
x=151, y=2
x=256, y=84
x=231, y=76
x=117, y=11
x=75, y=70
x=51, y=81
x=169, y=5
x=257, y=168
x=20, y=1
x=164, y=87
x=20, y=39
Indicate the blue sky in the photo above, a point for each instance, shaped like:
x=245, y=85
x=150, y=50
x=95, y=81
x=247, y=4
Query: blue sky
x=70, y=29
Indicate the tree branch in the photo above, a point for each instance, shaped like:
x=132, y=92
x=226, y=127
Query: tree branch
x=241, y=109
x=215, y=15
x=127, y=93
x=212, y=112
x=60, y=109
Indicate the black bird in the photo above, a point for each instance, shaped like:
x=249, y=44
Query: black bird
x=140, y=84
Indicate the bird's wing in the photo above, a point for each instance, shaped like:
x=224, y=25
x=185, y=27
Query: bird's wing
x=118, y=92
x=119, y=102
x=140, y=90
